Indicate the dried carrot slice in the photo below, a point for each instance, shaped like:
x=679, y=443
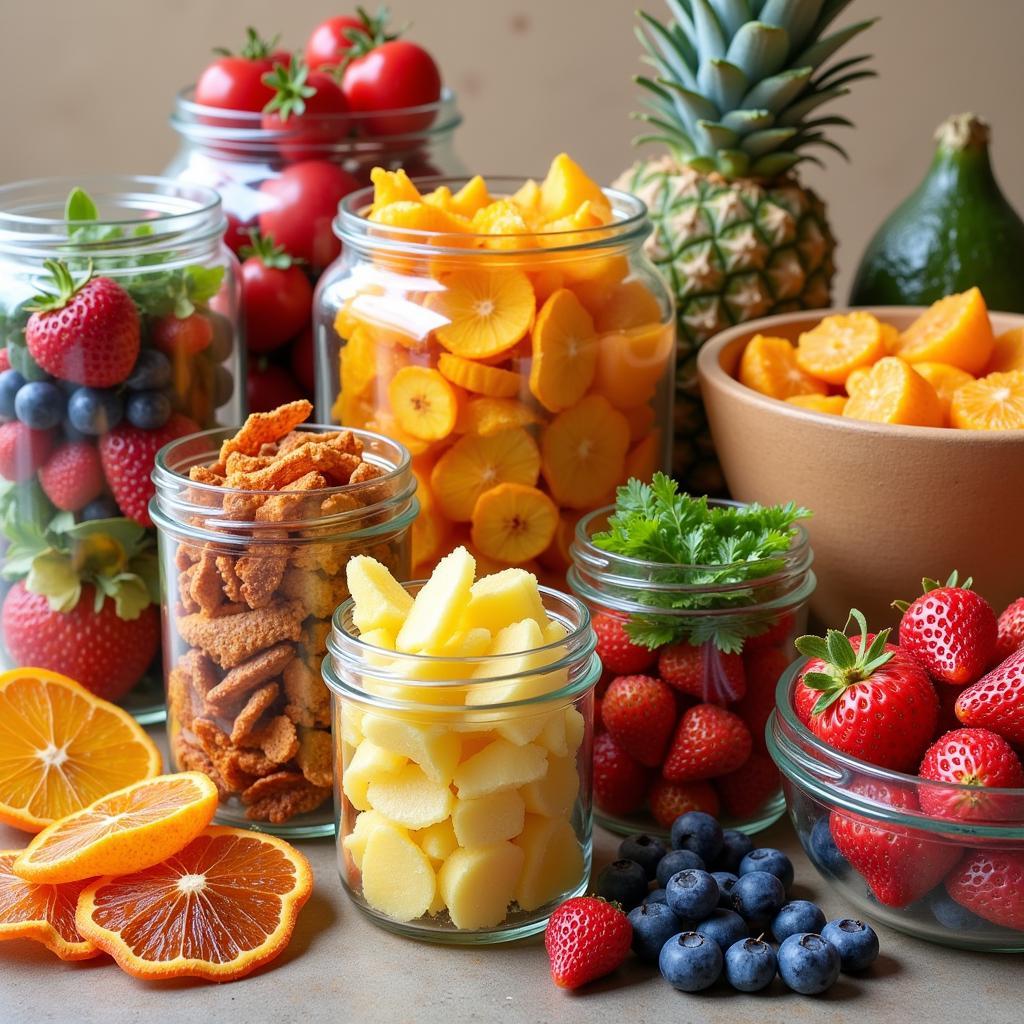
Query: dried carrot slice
x=513, y=522
x=423, y=402
x=564, y=352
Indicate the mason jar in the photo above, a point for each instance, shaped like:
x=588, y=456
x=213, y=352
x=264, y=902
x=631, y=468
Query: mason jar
x=462, y=786
x=529, y=375
x=720, y=635
x=119, y=331
x=248, y=597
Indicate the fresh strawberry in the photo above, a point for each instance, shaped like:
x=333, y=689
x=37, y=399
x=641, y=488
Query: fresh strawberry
x=620, y=783
x=598, y=720
x=950, y=629
x=763, y=667
x=617, y=652
x=709, y=741
x=948, y=696
x=745, y=791
x=86, y=332
x=703, y=671
x=5, y=360
x=639, y=712
x=969, y=757
x=996, y=701
x=1010, y=630
x=899, y=864
x=778, y=634
x=586, y=938
x=127, y=454
x=90, y=643
x=874, y=703
x=72, y=476
x=990, y=883
x=22, y=451
x=667, y=800
x=182, y=337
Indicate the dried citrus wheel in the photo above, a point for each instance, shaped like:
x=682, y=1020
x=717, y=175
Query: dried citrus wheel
x=61, y=747
x=42, y=913
x=474, y=464
x=564, y=352
x=769, y=365
x=566, y=187
x=1008, y=353
x=392, y=187
x=487, y=416
x=631, y=362
x=995, y=402
x=124, y=831
x=954, y=330
x=643, y=460
x=893, y=392
x=946, y=380
x=628, y=304
x=218, y=909
x=513, y=522
x=423, y=402
x=471, y=197
x=831, y=404
x=487, y=312
x=480, y=379
x=838, y=345
x=583, y=452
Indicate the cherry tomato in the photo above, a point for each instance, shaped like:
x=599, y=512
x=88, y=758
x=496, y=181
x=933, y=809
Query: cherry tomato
x=268, y=386
x=235, y=82
x=391, y=77
x=302, y=361
x=236, y=234
x=277, y=297
x=328, y=41
x=185, y=336
x=301, y=205
x=305, y=106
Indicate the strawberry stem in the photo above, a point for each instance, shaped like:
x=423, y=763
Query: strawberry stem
x=64, y=284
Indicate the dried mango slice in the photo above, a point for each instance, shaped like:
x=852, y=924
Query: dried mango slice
x=513, y=522
x=488, y=416
x=478, y=378
x=564, y=352
x=487, y=312
x=392, y=187
x=418, y=216
x=471, y=197
x=566, y=187
x=442, y=198
x=423, y=402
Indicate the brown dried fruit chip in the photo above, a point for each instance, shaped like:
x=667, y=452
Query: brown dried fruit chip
x=261, y=575
x=266, y=427
x=278, y=739
x=308, y=691
x=290, y=506
x=312, y=589
x=279, y=797
x=244, y=678
x=256, y=763
x=232, y=639
x=246, y=719
x=314, y=756
x=179, y=697
x=206, y=588
x=189, y=757
x=212, y=475
x=232, y=584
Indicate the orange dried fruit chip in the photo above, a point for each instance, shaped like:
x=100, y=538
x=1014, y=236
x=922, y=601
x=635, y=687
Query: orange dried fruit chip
x=838, y=345
x=418, y=216
x=631, y=362
x=266, y=427
x=471, y=197
x=392, y=187
x=513, y=522
x=995, y=402
x=946, y=380
x=503, y=220
x=644, y=459
x=641, y=420
x=566, y=187
x=488, y=416
x=768, y=365
x=894, y=393
x=478, y=378
x=486, y=312
x=833, y=405
x=423, y=402
x=628, y=304
x=954, y=330
x=1008, y=353
x=564, y=352
x=429, y=528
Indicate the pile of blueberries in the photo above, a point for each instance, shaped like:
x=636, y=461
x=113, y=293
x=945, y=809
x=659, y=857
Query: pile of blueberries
x=718, y=904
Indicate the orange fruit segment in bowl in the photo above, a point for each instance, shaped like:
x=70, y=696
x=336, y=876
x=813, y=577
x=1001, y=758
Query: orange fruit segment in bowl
x=1008, y=353
x=954, y=330
x=487, y=311
x=513, y=523
x=995, y=402
x=893, y=392
x=768, y=365
x=564, y=352
x=946, y=380
x=840, y=344
x=128, y=830
x=856, y=378
x=423, y=402
x=62, y=747
x=833, y=405
x=221, y=907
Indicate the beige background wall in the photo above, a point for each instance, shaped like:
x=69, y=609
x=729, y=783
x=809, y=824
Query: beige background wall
x=87, y=84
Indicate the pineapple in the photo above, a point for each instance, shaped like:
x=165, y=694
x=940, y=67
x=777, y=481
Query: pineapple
x=735, y=97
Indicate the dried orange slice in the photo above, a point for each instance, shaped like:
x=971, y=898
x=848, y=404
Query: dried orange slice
x=128, y=830
x=471, y=197
x=583, y=452
x=893, y=392
x=946, y=380
x=628, y=304
x=631, y=362
x=833, y=405
x=954, y=330
x=42, y=913
x=566, y=187
x=564, y=352
x=513, y=522
x=474, y=464
x=769, y=365
x=487, y=312
x=423, y=403
x=61, y=747
x=218, y=909
x=644, y=459
x=856, y=378
x=838, y=345
x=488, y=416
x=641, y=420
x=478, y=378
x=392, y=187
x=1008, y=354
x=995, y=402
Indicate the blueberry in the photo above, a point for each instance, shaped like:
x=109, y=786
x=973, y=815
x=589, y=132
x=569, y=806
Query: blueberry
x=690, y=962
x=726, y=880
x=795, y=917
x=724, y=926
x=699, y=833
x=653, y=925
x=646, y=850
x=152, y=370
x=656, y=896
x=750, y=965
x=148, y=410
x=39, y=405
x=94, y=412
x=757, y=898
x=692, y=894
x=952, y=915
x=855, y=941
x=100, y=508
x=223, y=386
x=675, y=861
x=624, y=882
x=808, y=964
x=735, y=846
x=775, y=862
x=11, y=382
x=824, y=853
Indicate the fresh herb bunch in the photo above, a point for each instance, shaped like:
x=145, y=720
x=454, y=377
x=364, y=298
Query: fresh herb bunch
x=699, y=546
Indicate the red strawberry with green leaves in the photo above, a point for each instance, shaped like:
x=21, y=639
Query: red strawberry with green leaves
x=1010, y=627
x=72, y=476
x=996, y=701
x=128, y=453
x=586, y=938
x=85, y=331
x=22, y=451
x=746, y=791
x=639, y=712
x=703, y=671
x=709, y=741
x=763, y=667
x=667, y=800
x=990, y=883
x=950, y=629
x=874, y=703
x=620, y=782
x=617, y=652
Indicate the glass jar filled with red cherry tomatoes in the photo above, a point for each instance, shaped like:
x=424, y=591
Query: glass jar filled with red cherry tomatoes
x=283, y=137
x=118, y=334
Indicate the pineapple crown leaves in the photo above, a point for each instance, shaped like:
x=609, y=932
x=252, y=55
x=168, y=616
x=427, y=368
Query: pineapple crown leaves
x=736, y=82
x=844, y=666
x=928, y=585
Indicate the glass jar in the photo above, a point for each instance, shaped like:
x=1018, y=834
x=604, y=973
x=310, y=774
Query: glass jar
x=248, y=601
x=723, y=635
x=517, y=432
x=462, y=786
x=82, y=414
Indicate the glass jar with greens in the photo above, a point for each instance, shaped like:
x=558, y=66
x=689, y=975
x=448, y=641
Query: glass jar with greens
x=695, y=604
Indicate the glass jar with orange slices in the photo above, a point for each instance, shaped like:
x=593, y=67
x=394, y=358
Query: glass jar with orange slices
x=515, y=338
